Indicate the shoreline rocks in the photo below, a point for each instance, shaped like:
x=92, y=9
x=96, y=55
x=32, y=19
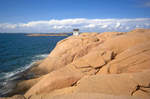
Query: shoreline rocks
x=110, y=63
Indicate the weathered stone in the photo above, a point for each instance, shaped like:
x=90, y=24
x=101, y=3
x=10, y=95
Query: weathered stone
x=94, y=59
x=134, y=59
x=83, y=96
x=68, y=50
x=116, y=84
x=61, y=78
x=110, y=53
x=107, y=84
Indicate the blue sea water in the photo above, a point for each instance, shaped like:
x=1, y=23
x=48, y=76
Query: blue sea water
x=18, y=52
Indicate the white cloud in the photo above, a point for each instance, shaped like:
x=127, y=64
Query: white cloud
x=6, y=25
x=66, y=25
x=118, y=25
x=90, y=26
x=104, y=26
x=57, y=27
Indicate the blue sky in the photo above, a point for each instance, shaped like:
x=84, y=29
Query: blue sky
x=63, y=15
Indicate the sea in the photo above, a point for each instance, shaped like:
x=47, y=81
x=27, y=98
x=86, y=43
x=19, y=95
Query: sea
x=19, y=52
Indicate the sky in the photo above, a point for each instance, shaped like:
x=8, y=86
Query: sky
x=51, y=16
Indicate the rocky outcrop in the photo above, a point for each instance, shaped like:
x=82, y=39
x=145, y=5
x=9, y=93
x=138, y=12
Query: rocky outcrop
x=68, y=50
x=110, y=63
x=67, y=76
x=114, y=84
x=134, y=59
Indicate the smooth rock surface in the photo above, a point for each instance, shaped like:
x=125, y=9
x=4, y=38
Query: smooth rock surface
x=110, y=63
x=84, y=96
x=122, y=84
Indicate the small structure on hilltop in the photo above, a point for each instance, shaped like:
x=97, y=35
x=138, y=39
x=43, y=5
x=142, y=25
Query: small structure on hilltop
x=75, y=32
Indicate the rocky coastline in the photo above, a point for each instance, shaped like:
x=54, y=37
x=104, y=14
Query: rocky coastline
x=109, y=65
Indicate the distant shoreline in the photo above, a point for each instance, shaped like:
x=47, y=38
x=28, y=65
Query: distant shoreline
x=37, y=34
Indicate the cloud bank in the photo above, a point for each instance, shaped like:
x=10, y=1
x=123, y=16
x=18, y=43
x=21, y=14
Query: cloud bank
x=85, y=25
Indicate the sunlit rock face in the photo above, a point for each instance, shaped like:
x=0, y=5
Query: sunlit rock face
x=110, y=64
